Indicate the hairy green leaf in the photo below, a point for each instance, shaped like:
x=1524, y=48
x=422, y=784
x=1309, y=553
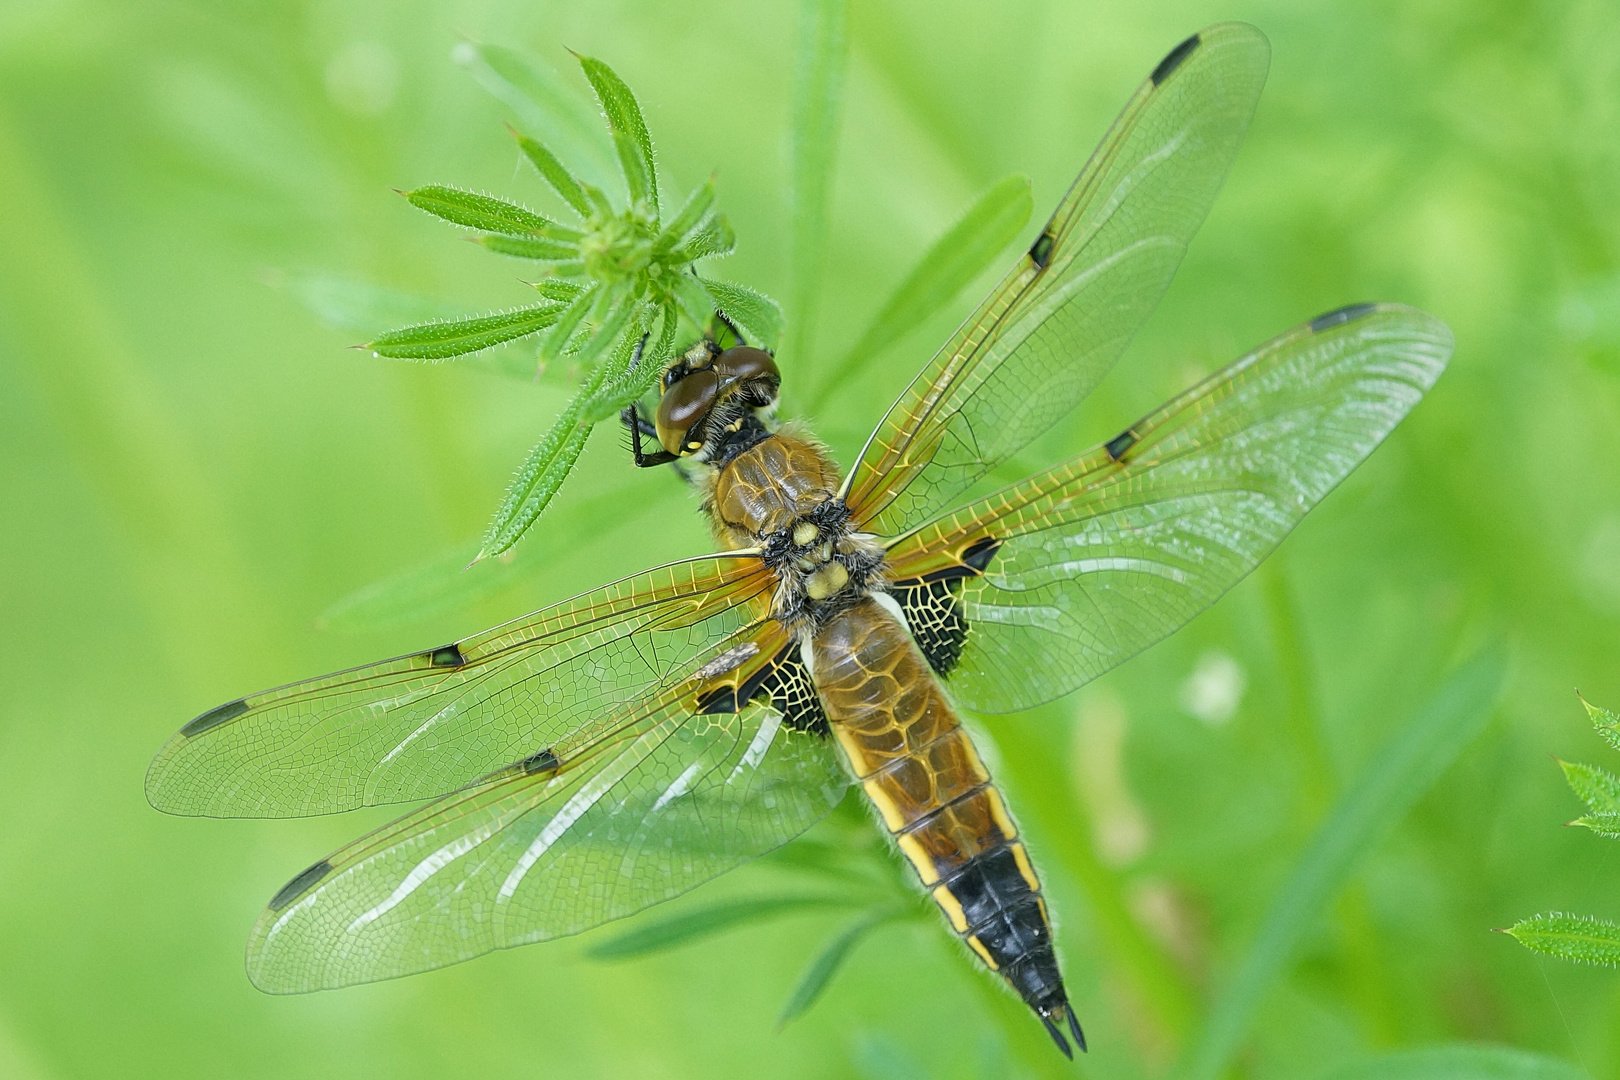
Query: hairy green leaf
x=1406, y=768
x=1604, y=824
x=686, y=219
x=555, y=173
x=557, y=289
x=693, y=926
x=1598, y=789
x=457, y=337
x=484, y=212
x=629, y=129
x=1459, y=1061
x=528, y=247
x=709, y=240
x=829, y=960
x=1582, y=938
x=813, y=139
x=949, y=265
x=754, y=312
x=537, y=481
x=1605, y=722
x=555, y=344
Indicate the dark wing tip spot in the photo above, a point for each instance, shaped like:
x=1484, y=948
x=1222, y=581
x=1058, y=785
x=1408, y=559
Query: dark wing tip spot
x=215, y=717
x=1173, y=59
x=1120, y=444
x=1040, y=252
x=1340, y=316
x=299, y=885
x=449, y=656
x=541, y=761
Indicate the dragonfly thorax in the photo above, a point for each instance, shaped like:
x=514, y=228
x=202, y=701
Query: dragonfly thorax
x=780, y=495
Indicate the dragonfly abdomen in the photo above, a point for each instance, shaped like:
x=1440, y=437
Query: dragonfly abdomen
x=920, y=770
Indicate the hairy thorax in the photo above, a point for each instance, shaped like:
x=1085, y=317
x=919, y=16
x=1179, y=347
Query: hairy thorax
x=780, y=495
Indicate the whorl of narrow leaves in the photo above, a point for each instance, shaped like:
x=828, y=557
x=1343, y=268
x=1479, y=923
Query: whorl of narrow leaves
x=605, y=282
x=1581, y=938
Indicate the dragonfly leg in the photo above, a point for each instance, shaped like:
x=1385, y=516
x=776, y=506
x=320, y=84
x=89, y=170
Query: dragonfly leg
x=639, y=425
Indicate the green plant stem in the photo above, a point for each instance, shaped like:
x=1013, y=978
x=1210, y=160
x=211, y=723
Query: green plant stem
x=1318, y=786
x=817, y=102
x=1406, y=768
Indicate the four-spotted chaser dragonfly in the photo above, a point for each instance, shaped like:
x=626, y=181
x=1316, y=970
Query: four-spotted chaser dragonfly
x=619, y=748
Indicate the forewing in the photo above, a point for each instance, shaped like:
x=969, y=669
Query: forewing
x=1055, y=325
x=419, y=726
x=661, y=797
x=1039, y=588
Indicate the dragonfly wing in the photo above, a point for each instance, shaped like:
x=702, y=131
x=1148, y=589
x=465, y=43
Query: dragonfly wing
x=1039, y=588
x=419, y=726
x=661, y=796
x=1055, y=325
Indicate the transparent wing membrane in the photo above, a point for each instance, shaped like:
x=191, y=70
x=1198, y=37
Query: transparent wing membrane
x=1059, y=320
x=659, y=799
x=420, y=726
x=1106, y=554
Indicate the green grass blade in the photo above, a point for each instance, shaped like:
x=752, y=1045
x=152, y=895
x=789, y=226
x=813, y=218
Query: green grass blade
x=1598, y=789
x=829, y=960
x=691, y=926
x=817, y=108
x=1459, y=1061
x=445, y=338
x=444, y=587
x=754, y=312
x=1582, y=938
x=553, y=172
x=526, y=247
x=629, y=129
x=545, y=103
x=358, y=306
x=1406, y=768
x=483, y=212
x=949, y=265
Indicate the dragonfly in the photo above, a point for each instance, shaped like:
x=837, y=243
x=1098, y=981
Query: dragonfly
x=615, y=750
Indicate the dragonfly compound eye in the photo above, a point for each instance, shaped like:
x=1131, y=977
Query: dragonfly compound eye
x=752, y=371
x=684, y=404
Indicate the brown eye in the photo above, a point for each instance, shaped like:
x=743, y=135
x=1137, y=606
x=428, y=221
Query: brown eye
x=752, y=372
x=683, y=405
x=744, y=363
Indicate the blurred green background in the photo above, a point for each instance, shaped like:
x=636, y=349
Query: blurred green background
x=194, y=471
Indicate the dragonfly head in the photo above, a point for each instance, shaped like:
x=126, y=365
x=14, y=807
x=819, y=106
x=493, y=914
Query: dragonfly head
x=709, y=384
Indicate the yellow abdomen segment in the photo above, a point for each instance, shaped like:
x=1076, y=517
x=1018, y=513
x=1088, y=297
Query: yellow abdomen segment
x=921, y=772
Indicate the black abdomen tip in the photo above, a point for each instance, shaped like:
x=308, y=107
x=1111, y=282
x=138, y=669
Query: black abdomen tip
x=1173, y=59
x=215, y=717
x=1340, y=316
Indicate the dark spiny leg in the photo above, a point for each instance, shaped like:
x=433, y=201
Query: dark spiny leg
x=631, y=417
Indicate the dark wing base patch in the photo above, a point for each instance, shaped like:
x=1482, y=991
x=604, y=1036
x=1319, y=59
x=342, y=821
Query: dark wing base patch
x=784, y=683
x=932, y=605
